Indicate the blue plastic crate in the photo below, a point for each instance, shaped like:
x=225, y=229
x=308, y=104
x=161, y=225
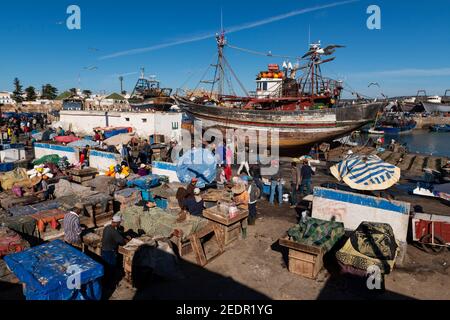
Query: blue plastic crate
x=162, y=203
x=147, y=195
x=45, y=271
x=266, y=189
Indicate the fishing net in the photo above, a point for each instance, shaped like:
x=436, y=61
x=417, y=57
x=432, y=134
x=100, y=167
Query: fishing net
x=372, y=244
x=53, y=158
x=16, y=177
x=159, y=223
x=315, y=232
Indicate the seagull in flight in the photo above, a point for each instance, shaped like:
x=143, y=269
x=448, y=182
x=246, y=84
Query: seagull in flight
x=373, y=84
x=316, y=49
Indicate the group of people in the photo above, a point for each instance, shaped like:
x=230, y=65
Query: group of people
x=16, y=126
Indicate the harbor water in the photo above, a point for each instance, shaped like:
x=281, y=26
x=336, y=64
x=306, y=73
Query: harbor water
x=424, y=142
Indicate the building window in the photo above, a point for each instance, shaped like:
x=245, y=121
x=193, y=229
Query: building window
x=144, y=120
x=175, y=126
x=265, y=86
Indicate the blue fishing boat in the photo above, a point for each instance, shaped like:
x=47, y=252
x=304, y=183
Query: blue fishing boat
x=396, y=129
x=440, y=128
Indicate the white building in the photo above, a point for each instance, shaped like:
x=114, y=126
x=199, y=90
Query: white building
x=143, y=123
x=6, y=98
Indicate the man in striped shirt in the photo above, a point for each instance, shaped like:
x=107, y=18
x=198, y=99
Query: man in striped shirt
x=72, y=227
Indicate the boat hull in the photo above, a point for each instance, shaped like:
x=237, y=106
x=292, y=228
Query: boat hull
x=397, y=130
x=295, y=128
x=436, y=107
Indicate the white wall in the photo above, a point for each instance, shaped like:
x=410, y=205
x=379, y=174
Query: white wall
x=165, y=169
x=103, y=160
x=42, y=149
x=155, y=123
x=353, y=209
x=11, y=155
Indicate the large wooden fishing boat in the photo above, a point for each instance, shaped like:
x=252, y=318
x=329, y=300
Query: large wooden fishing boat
x=303, y=110
x=148, y=95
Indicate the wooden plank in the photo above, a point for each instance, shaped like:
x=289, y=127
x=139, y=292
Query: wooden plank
x=212, y=215
x=285, y=242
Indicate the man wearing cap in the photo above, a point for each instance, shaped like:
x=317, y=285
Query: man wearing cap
x=195, y=205
x=111, y=241
x=240, y=196
x=191, y=188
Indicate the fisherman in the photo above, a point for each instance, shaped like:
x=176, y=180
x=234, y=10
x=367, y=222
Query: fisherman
x=255, y=173
x=276, y=186
x=86, y=152
x=191, y=187
x=295, y=183
x=46, y=135
x=240, y=196
x=222, y=180
x=306, y=174
x=97, y=136
x=72, y=227
x=111, y=240
x=254, y=194
x=146, y=153
x=195, y=205
x=48, y=190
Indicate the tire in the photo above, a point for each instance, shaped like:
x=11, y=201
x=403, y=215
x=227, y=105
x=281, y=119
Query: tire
x=428, y=247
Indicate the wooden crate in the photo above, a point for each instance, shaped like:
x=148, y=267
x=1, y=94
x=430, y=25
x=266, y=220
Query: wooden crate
x=231, y=228
x=304, y=260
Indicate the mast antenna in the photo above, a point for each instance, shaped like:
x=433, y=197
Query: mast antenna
x=309, y=35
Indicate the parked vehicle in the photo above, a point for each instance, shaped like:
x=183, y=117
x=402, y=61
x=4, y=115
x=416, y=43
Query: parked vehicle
x=431, y=231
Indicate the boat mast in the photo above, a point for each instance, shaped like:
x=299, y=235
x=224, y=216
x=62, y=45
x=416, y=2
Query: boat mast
x=221, y=42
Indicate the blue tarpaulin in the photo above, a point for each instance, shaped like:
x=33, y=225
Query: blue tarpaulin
x=57, y=271
x=146, y=182
x=35, y=208
x=197, y=163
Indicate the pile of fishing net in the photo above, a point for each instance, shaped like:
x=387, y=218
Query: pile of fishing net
x=372, y=244
x=315, y=232
x=53, y=158
x=17, y=177
x=159, y=223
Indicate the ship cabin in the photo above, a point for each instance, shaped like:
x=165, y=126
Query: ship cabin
x=269, y=84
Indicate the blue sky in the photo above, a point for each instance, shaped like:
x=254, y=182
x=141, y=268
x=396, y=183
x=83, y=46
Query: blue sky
x=410, y=52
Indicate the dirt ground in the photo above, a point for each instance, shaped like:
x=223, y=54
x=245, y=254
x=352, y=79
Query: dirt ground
x=256, y=268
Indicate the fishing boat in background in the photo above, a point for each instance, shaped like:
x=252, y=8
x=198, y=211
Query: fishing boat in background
x=440, y=128
x=414, y=104
x=148, y=95
x=302, y=110
x=438, y=104
x=392, y=124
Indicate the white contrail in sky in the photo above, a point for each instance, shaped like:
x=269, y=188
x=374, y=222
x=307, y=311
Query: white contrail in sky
x=124, y=74
x=241, y=27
